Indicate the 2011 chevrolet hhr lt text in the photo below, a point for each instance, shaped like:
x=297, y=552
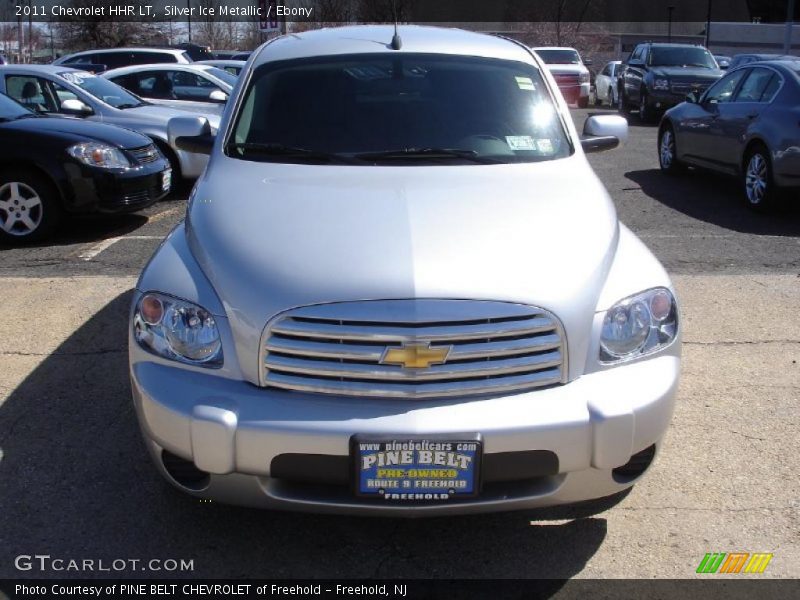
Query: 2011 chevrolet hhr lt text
x=400, y=289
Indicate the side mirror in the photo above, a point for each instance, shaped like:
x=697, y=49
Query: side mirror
x=192, y=134
x=588, y=62
x=218, y=96
x=75, y=107
x=603, y=132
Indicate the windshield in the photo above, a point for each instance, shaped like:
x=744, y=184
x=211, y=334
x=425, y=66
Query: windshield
x=102, y=89
x=223, y=75
x=681, y=57
x=375, y=109
x=10, y=109
x=559, y=57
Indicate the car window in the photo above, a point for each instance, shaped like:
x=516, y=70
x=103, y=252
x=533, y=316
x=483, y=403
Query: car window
x=681, y=56
x=754, y=86
x=222, y=75
x=32, y=92
x=771, y=88
x=723, y=90
x=191, y=86
x=559, y=57
x=102, y=89
x=156, y=85
x=606, y=71
x=487, y=108
x=112, y=60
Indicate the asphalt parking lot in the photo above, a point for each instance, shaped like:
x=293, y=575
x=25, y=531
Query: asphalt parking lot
x=75, y=481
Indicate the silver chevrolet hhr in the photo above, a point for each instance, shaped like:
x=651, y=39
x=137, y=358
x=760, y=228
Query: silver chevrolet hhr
x=400, y=289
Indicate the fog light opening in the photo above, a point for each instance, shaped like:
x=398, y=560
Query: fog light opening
x=184, y=473
x=635, y=467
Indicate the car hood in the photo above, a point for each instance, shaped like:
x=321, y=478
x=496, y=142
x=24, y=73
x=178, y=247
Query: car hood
x=160, y=115
x=687, y=74
x=76, y=130
x=270, y=237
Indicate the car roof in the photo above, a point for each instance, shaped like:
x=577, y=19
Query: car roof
x=162, y=67
x=178, y=51
x=360, y=39
x=553, y=48
x=221, y=61
x=674, y=45
x=44, y=69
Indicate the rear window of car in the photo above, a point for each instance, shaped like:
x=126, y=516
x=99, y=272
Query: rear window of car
x=560, y=57
x=491, y=109
x=151, y=58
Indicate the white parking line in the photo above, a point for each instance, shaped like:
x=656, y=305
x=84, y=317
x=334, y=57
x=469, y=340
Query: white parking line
x=99, y=247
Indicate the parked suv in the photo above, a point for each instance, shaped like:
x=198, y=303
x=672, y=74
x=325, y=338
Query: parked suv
x=658, y=76
x=570, y=72
x=413, y=298
x=122, y=57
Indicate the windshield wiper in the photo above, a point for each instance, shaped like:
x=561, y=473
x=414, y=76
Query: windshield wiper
x=282, y=151
x=129, y=105
x=424, y=154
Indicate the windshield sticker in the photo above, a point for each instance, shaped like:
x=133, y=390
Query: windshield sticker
x=75, y=77
x=521, y=142
x=545, y=146
x=525, y=83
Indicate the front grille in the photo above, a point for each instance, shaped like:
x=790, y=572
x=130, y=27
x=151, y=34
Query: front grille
x=678, y=87
x=145, y=154
x=566, y=80
x=139, y=197
x=494, y=347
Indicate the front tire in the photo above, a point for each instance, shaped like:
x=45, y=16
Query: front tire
x=667, y=151
x=645, y=112
x=30, y=209
x=759, y=187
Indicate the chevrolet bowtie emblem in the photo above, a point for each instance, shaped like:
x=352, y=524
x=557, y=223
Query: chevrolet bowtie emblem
x=416, y=356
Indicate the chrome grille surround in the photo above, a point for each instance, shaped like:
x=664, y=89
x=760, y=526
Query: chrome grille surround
x=337, y=348
x=145, y=154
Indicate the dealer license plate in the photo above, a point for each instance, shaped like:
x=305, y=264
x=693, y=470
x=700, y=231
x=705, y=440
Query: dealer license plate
x=166, y=180
x=414, y=469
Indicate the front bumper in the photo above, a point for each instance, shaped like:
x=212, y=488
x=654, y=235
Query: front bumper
x=662, y=100
x=90, y=189
x=234, y=431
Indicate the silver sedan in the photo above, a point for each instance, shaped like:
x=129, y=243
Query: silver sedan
x=202, y=89
x=745, y=125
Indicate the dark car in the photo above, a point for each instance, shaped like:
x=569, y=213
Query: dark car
x=50, y=166
x=747, y=125
x=745, y=59
x=658, y=76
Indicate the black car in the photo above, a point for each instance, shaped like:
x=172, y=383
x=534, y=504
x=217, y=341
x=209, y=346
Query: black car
x=50, y=166
x=658, y=76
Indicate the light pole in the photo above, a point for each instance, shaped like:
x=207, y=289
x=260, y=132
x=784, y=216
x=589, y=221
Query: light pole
x=708, y=25
x=189, y=15
x=787, y=38
x=669, y=25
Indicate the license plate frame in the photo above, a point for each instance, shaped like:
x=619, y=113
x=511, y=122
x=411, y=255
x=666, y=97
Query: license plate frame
x=466, y=444
x=166, y=180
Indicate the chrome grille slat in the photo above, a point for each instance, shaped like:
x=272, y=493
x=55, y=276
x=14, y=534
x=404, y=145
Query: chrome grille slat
x=325, y=330
x=471, y=369
x=494, y=348
x=302, y=347
x=145, y=154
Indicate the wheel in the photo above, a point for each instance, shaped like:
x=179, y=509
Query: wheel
x=30, y=209
x=667, y=153
x=583, y=102
x=759, y=188
x=645, y=112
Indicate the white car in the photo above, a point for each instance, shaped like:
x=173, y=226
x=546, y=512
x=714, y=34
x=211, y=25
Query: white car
x=569, y=71
x=112, y=58
x=400, y=289
x=202, y=89
x=605, y=84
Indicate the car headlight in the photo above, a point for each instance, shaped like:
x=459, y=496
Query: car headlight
x=177, y=330
x=99, y=155
x=638, y=325
x=661, y=84
x=584, y=77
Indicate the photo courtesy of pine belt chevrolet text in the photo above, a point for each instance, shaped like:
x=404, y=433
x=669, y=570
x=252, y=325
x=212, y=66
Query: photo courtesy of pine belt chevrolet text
x=400, y=289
